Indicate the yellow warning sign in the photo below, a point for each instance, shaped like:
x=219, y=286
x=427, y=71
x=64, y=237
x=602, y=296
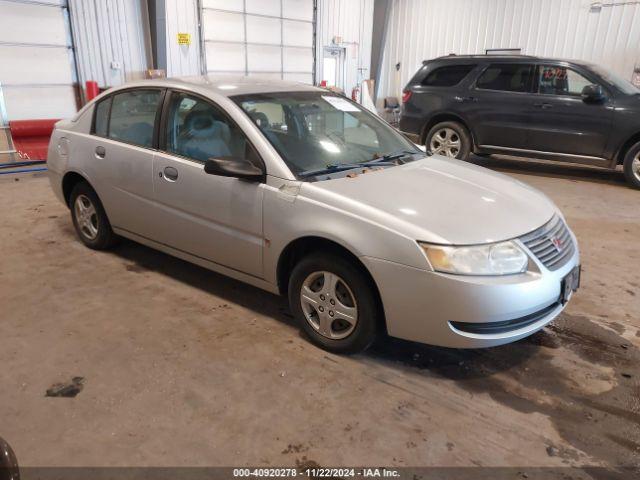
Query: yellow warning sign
x=184, y=39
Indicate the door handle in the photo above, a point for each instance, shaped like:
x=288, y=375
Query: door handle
x=170, y=174
x=543, y=106
x=466, y=99
x=100, y=151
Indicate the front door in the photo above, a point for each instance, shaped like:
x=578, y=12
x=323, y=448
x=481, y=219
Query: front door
x=497, y=106
x=561, y=122
x=212, y=217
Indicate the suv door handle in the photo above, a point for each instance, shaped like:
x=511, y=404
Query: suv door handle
x=544, y=106
x=100, y=151
x=466, y=99
x=170, y=174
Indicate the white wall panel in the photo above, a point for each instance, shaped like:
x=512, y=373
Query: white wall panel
x=225, y=57
x=264, y=36
x=182, y=17
x=33, y=65
x=33, y=102
x=263, y=30
x=31, y=23
x=297, y=60
x=299, y=34
x=112, y=40
x=263, y=8
x=352, y=20
x=37, y=72
x=262, y=58
x=424, y=29
x=223, y=26
x=298, y=9
x=235, y=5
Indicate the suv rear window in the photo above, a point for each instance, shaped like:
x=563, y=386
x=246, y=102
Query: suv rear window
x=447, y=76
x=507, y=77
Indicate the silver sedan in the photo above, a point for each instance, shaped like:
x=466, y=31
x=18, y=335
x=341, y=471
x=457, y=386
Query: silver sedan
x=302, y=192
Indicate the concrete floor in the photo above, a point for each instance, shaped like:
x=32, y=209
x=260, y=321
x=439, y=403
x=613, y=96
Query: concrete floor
x=186, y=367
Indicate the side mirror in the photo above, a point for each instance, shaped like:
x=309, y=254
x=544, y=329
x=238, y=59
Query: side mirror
x=233, y=167
x=593, y=94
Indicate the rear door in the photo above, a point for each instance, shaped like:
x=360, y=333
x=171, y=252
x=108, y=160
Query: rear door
x=498, y=105
x=212, y=217
x=561, y=122
x=119, y=156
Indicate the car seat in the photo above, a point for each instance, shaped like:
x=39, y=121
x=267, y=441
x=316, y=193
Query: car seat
x=204, y=137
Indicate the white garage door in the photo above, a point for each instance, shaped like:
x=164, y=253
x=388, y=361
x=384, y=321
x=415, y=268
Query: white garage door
x=265, y=37
x=36, y=60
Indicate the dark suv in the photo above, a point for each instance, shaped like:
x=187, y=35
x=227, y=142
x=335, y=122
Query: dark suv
x=525, y=106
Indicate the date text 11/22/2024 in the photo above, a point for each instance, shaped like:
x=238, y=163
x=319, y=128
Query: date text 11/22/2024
x=316, y=472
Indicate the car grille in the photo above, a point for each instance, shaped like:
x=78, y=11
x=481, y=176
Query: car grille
x=552, y=243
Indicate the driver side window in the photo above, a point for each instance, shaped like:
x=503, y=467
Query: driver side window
x=556, y=80
x=197, y=130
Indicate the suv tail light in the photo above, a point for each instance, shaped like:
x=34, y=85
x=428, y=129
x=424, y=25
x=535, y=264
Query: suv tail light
x=406, y=95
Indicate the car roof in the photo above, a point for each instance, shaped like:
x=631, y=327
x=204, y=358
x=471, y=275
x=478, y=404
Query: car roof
x=453, y=58
x=226, y=85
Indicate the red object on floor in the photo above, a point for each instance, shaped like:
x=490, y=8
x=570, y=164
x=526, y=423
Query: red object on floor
x=92, y=89
x=31, y=137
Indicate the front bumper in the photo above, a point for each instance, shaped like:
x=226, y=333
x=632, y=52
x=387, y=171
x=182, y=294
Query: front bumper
x=440, y=309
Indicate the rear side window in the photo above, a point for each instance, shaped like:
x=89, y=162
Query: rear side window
x=133, y=115
x=508, y=77
x=447, y=76
x=101, y=122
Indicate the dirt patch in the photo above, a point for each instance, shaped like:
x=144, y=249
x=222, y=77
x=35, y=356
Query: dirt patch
x=67, y=390
x=528, y=376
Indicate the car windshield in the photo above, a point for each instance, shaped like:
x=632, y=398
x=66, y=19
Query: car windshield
x=315, y=132
x=616, y=80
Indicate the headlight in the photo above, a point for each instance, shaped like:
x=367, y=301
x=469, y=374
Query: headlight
x=503, y=258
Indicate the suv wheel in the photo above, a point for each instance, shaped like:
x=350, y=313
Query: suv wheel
x=334, y=303
x=632, y=165
x=89, y=218
x=450, y=139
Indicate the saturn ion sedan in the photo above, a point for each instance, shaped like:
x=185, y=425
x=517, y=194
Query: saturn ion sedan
x=299, y=191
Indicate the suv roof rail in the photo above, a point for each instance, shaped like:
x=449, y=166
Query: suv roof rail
x=482, y=55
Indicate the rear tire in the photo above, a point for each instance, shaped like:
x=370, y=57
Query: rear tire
x=89, y=218
x=450, y=139
x=334, y=303
x=632, y=166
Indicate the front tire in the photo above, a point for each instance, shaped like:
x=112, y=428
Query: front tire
x=632, y=166
x=450, y=139
x=89, y=218
x=334, y=303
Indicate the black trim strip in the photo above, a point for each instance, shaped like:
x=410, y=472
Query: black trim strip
x=491, y=328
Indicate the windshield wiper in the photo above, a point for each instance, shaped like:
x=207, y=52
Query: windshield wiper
x=394, y=156
x=341, y=167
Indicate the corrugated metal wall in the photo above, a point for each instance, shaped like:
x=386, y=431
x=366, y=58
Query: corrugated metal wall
x=424, y=29
x=182, y=17
x=111, y=31
x=353, y=21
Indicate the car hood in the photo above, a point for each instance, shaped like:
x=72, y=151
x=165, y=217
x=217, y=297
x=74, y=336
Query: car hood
x=441, y=200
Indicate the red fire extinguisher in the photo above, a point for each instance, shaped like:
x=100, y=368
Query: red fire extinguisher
x=355, y=93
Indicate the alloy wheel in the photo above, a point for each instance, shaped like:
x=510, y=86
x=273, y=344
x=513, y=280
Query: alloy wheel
x=445, y=142
x=329, y=305
x=635, y=166
x=86, y=217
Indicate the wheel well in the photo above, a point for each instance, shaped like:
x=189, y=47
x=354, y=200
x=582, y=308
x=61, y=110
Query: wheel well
x=69, y=181
x=625, y=148
x=443, y=117
x=301, y=247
